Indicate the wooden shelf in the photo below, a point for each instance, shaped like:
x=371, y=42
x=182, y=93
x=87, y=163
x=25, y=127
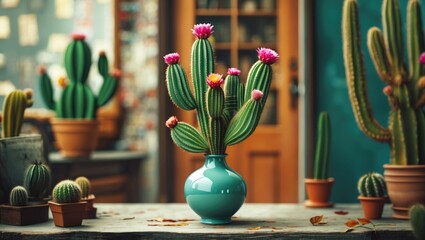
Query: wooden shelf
x=213, y=12
x=258, y=13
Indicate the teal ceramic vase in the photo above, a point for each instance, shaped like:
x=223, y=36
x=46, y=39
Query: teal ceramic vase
x=215, y=191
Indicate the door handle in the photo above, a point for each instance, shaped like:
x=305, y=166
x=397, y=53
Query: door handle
x=294, y=91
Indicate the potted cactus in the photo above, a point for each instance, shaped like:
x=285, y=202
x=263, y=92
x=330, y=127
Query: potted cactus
x=372, y=190
x=86, y=195
x=320, y=186
x=417, y=220
x=227, y=112
x=66, y=206
x=16, y=151
x=37, y=182
x=405, y=175
x=75, y=126
x=19, y=212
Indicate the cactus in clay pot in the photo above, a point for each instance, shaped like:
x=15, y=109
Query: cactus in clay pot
x=14, y=106
x=77, y=99
x=85, y=186
x=321, y=158
x=18, y=196
x=227, y=111
x=405, y=86
x=417, y=220
x=66, y=191
x=37, y=180
x=371, y=185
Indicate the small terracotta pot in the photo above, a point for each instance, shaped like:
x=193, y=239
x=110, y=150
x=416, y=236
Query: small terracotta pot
x=24, y=215
x=67, y=214
x=89, y=210
x=75, y=137
x=372, y=206
x=318, y=192
x=406, y=186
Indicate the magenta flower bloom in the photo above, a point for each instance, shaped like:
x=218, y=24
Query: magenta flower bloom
x=256, y=94
x=388, y=90
x=267, y=56
x=214, y=80
x=203, y=30
x=422, y=58
x=233, y=71
x=78, y=36
x=172, y=58
x=171, y=122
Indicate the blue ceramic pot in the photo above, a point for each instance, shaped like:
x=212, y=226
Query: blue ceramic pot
x=215, y=192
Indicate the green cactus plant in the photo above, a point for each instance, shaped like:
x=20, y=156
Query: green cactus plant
x=405, y=87
x=77, y=99
x=226, y=116
x=37, y=180
x=85, y=186
x=371, y=185
x=18, y=196
x=417, y=220
x=14, y=106
x=66, y=191
x=321, y=158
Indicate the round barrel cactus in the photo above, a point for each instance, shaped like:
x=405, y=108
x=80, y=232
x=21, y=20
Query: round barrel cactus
x=417, y=220
x=37, y=180
x=371, y=185
x=66, y=191
x=18, y=196
x=85, y=186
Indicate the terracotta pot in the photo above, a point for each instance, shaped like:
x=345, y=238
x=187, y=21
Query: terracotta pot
x=89, y=210
x=67, y=214
x=75, y=137
x=372, y=206
x=24, y=215
x=406, y=186
x=318, y=192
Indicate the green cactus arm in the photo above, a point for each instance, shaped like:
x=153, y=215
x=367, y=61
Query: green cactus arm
x=78, y=61
x=188, y=138
x=231, y=89
x=259, y=77
x=417, y=220
x=376, y=45
x=241, y=96
x=46, y=90
x=103, y=65
x=178, y=87
x=14, y=106
x=356, y=79
x=321, y=158
x=215, y=102
x=107, y=91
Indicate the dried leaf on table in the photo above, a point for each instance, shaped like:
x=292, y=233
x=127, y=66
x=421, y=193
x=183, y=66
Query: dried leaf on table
x=169, y=225
x=128, y=218
x=317, y=220
x=255, y=228
x=341, y=212
x=170, y=220
x=349, y=230
x=364, y=221
x=351, y=223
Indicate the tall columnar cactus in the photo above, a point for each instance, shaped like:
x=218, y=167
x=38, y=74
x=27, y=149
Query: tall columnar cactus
x=85, y=186
x=37, y=180
x=321, y=158
x=18, y=196
x=14, y=106
x=77, y=99
x=66, y=191
x=371, y=185
x=405, y=87
x=226, y=116
x=417, y=220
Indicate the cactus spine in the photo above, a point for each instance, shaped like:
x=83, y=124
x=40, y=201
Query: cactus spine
x=321, y=158
x=85, y=186
x=66, y=191
x=18, y=196
x=371, y=185
x=226, y=116
x=417, y=220
x=14, y=106
x=37, y=180
x=406, y=130
x=77, y=99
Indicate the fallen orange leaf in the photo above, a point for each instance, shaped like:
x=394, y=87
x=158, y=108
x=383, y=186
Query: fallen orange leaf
x=169, y=225
x=170, y=220
x=316, y=220
x=341, y=212
x=351, y=223
x=364, y=221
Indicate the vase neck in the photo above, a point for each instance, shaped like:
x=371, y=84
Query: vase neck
x=213, y=161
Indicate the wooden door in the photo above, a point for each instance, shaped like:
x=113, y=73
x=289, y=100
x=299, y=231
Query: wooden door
x=268, y=160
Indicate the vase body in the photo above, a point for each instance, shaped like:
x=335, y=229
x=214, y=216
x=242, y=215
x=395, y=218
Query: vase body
x=215, y=192
x=406, y=186
x=318, y=192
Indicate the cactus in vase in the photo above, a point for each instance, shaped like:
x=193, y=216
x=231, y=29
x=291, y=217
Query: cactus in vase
x=371, y=185
x=37, y=180
x=417, y=220
x=226, y=116
x=14, y=106
x=405, y=87
x=18, y=196
x=85, y=186
x=77, y=99
x=66, y=191
x=321, y=158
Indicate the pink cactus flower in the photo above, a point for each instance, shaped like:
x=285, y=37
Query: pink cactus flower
x=256, y=94
x=172, y=58
x=233, y=71
x=203, y=30
x=41, y=69
x=78, y=36
x=171, y=122
x=116, y=73
x=388, y=90
x=267, y=56
x=422, y=58
x=214, y=80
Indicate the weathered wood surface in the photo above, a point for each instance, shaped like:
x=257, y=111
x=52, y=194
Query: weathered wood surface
x=253, y=221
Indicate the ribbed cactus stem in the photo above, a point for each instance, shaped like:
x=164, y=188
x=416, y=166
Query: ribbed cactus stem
x=215, y=102
x=66, y=191
x=85, y=186
x=18, y=196
x=321, y=158
x=14, y=106
x=417, y=220
x=231, y=88
x=46, y=88
x=371, y=185
x=37, y=180
x=186, y=136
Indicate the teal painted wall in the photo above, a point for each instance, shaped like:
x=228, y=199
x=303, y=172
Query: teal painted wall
x=352, y=153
